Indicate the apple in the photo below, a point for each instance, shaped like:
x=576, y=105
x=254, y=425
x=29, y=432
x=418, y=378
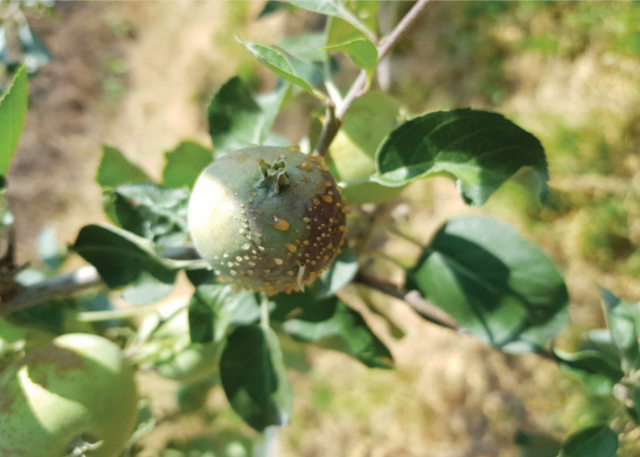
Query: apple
x=76, y=389
x=267, y=219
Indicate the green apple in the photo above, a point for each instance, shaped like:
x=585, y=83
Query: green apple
x=78, y=388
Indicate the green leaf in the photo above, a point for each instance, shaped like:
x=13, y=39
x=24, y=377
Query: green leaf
x=306, y=57
x=233, y=117
x=333, y=325
x=280, y=64
x=633, y=409
x=343, y=269
x=595, y=441
x=244, y=306
x=36, y=53
x=536, y=444
x=623, y=320
x=326, y=7
x=351, y=156
x=212, y=310
x=343, y=36
x=153, y=212
x=246, y=312
x=306, y=47
x=124, y=259
x=277, y=140
x=367, y=191
x=10, y=333
x=192, y=397
x=366, y=11
x=598, y=373
x=333, y=8
x=271, y=103
x=13, y=110
x=598, y=346
x=371, y=118
x=201, y=319
x=49, y=316
x=592, y=362
x=254, y=377
x=115, y=169
x=481, y=150
x=237, y=120
x=49, y=250
x=501, y=288
x=362, y=52
x=601, y=341
x=184, y=164
x=145, y=424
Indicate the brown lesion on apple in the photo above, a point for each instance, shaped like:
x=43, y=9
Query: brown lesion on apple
x=325, y=219
x=62, y=360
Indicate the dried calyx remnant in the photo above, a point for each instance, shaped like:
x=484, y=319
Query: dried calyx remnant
x=267, y=219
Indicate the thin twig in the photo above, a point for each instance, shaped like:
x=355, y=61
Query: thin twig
x=68, y=284
x=334, y=93
x=355, y=92
x=402, y=27
x=359, y=86
x=425, y=309
x=61, y=286
x=116, y=314
x=329, y=131
x=385, y=47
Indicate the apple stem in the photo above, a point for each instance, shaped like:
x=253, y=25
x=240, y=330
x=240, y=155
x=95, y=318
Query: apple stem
x=264, y=310
x=79, y=447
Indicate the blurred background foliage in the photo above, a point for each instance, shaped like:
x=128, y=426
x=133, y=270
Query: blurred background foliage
x=139, y=74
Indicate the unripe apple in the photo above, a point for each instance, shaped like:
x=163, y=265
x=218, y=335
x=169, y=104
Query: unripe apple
x=79, y=387
x=267, y=219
